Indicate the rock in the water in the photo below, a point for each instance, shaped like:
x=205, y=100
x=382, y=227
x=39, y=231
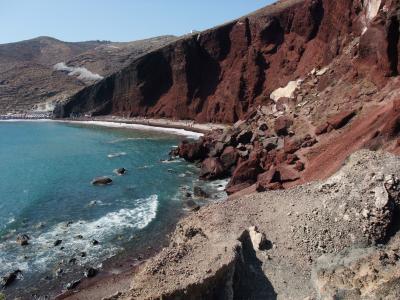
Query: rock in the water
x=72, y=285
x=23, y=239
x=192, y=205
x=8, y=279
x=120, y=171
x=199, y=192
x=94, y=242
x=101, y=181
x=57, y=243
x=90, y=272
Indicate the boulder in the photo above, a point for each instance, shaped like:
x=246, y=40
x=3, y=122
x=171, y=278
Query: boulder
x=9, y=279
x=339, y=120
x=229, y=157
x=292, y=145
x=257, y=238
x=287, y=174
x=299, y=166
x=268, y=177
x=90, y=272
x=57, y=243
x=192, y=151
x=199, y=192
x=282, y=125
x=270, y=143
x=263, y=127
x=216, y=149
x=212, y=168
x=191, y=205
x=101, y=181
x=322, y=128
x=308, y=141
x=72, y=285
x=269, y=187
x=120, y=171
x=291, y=159
x=244, y=136
x=23, y=239
x=246, y=172
x=230, y=190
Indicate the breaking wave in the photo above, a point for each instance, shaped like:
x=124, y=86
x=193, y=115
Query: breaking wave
x=76, y=238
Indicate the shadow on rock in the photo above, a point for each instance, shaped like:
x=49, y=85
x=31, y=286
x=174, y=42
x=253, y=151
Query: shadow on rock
x=250, y=281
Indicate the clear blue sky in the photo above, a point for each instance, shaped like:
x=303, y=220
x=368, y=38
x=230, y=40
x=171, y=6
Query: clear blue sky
x=116, y=20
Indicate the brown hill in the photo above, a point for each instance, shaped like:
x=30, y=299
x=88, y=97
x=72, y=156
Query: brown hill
x=28, y=76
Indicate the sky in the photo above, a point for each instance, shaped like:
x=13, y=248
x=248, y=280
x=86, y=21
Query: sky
x=116, y=20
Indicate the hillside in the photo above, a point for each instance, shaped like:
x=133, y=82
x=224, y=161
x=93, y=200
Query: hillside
x=28, y=76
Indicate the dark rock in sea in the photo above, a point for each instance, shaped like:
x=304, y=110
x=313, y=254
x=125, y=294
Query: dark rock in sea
x=94, y=242
x=79, y=236
x=83, y=254
x=57, y=243
x=101, y=181
x=192, y=205
x=59, y=271
x=188, y=195
x=120, y=171
x=199, y=192
x=72, y=285
x=23, y=239
x=8, y=279
x=90, y=272
x=72, y=261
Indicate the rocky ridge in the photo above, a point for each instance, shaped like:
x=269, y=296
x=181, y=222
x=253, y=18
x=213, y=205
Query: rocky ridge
x=330, y=239
x=29, y=79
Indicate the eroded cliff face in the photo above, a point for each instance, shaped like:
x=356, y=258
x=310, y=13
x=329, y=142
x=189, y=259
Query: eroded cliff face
x=220, y=74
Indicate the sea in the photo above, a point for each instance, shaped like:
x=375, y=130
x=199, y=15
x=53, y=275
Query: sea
x=46, y=169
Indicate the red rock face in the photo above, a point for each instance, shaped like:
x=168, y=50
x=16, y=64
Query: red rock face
x=228, y=73
x=219, y=74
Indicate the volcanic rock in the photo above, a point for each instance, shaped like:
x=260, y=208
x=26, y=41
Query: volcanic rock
x=212, y=168
x=90, y=272
x=341, y=119
x=229, y=157
x=23, y=239
x=9, y=279
x=101, y=181
x=120, y=171
x=199, y=192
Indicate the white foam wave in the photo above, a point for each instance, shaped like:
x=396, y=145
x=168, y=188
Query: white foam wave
x=128, y=139
x=117, y=154
x=76, y=238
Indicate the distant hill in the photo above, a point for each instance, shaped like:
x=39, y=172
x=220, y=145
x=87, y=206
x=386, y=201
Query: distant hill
x=30, y=80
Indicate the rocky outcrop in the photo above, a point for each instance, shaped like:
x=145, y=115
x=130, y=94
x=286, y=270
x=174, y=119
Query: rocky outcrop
x=220, y=74
x=316, y=240
x=370, y=273
x=101, y=181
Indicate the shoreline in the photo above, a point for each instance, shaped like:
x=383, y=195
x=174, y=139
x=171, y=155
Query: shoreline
x=118, y=271
x=179, y=127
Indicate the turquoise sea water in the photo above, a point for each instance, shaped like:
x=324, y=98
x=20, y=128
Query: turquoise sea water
x=45, y=192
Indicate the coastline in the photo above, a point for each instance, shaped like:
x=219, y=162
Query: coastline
x=117, y=272
x=179, y=127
